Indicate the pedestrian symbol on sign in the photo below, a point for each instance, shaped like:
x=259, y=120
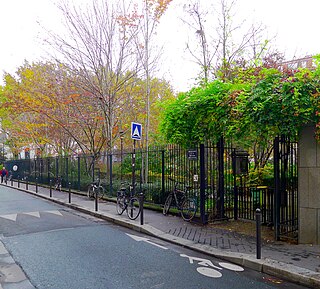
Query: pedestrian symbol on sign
x=136, y=131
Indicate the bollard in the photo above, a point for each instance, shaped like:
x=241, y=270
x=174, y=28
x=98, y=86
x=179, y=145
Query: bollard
x=258, y=233
x=27, y=184
x=36, y=185
x=69, y=193
x=50, y=188
x=18, y=182
x=141, y=208
x=96, y=200
x=11, y=182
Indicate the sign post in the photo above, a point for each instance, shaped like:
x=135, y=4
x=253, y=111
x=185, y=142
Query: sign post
x=136, y=134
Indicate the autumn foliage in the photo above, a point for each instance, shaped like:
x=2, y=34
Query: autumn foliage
x=43, y=107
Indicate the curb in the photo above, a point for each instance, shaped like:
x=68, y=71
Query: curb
x=275, y=268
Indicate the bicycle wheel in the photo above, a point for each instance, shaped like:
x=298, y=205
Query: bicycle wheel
x=133, y=208
x=188, y=209
x=120, y=204
x=167, y=204
x=90, y=192
x=100, y=192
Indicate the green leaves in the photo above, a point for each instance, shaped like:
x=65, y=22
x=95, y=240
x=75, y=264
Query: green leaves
x=201, y=114
x=269, y=103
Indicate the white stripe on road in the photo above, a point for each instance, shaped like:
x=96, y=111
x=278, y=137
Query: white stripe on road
x=13, y=217
x=34, y=214
x=56, y=212
x=139, y=239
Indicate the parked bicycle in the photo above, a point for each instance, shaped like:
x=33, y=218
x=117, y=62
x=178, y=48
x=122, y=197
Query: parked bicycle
x=186, y=205
x=127, y=202
x=95, y=188
x=58, y=183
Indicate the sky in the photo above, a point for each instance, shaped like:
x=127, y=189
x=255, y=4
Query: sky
x=294, y=23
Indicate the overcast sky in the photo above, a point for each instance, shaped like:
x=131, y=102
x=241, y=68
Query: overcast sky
x=295, y=23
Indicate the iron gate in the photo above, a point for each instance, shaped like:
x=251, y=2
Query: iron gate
x=207, y=170
x=286, y=188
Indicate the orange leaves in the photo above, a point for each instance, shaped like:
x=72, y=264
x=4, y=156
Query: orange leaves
x=129, y=20
x=157, y=7
x=42, y=103
x=162, y=7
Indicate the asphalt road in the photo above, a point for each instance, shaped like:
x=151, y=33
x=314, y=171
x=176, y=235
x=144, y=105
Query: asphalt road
x=61, y=248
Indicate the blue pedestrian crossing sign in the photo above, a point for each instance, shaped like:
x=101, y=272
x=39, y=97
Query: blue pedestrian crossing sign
x=136, y=131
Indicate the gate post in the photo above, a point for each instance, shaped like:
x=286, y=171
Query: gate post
x=202, y=186
x=220, y=202
x=277, y=196
x=235, y=188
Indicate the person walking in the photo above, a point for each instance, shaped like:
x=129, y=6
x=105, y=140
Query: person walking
x=4, y=175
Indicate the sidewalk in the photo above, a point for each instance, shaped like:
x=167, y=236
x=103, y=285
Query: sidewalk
x=296, y=263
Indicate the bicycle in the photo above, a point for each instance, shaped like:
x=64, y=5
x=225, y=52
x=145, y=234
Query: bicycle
x=187, y=206
x=58, y=184
x=127, y=202
x=94, y=189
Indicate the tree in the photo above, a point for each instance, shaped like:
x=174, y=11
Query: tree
x=216, y=51
x=100, y=54
x=203, y=114
x=42, y=108
x=208, y=48
x=134, y=107
x=51, y=112
x=249, y=112
x=152, y=11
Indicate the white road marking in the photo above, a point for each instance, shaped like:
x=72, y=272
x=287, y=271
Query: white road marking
x=34, y=214
x=13, y=217
x=55, y=212
x=139, y=239
x=202, y=262
x=209, y=272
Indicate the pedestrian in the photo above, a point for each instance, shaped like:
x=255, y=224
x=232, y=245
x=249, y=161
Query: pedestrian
x=4, y=174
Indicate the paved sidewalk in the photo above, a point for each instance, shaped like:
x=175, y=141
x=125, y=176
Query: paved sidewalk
x=297, y=263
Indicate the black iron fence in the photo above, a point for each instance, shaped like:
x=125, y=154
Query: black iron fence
x=213, y=174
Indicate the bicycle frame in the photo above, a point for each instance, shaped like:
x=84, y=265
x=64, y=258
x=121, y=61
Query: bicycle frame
x=175, y=195
x=127, y=202
x=95, y=188
x=187, y=206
